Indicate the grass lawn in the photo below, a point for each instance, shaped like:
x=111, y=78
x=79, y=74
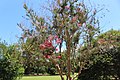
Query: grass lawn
x=57, y=77
x=41, y=78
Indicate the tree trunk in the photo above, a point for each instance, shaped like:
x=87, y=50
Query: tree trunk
x=68, y=59
x=58, y=69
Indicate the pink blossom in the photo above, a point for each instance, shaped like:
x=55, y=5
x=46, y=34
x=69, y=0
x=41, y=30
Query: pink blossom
x=42, y=27
x=48, y=43
x=58, y=57
x=30, y=37
x=56, y=36
x=47, y=56
x=67, y=7
x=56, y=49
x=58, y=41
x=42, y=46
x=51, y=37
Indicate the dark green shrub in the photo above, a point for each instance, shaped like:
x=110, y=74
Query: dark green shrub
x=103, y=58
x=52, y=71
x=105, y=66
x=10, y=68
x=42, y=69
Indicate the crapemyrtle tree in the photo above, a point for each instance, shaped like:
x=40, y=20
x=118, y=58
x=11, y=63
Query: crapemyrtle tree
x=72, y=25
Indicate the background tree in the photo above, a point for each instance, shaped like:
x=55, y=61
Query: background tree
x=103, y=60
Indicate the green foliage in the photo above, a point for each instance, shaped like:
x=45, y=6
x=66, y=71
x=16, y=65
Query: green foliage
x=104, y=66
x=10, y=68
x=103, y=59
x=42, y=69
x=110, y=35
x=52, y=70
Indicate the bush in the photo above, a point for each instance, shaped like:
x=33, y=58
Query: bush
x=10, y=68
x=42, y=69
x=52, y=71
x=105, y=66
x=103, y=58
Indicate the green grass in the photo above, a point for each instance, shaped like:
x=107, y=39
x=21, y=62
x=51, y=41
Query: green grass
x=41, y=78
x=57, y=77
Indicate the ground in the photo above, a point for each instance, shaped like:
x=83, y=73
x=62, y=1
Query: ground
x=41, y=78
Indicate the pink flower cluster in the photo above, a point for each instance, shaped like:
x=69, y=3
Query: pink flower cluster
x=48, y=43
x=67, y=7
x=48, y=48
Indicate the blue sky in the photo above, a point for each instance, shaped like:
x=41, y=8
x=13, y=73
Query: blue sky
x=11, y=12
